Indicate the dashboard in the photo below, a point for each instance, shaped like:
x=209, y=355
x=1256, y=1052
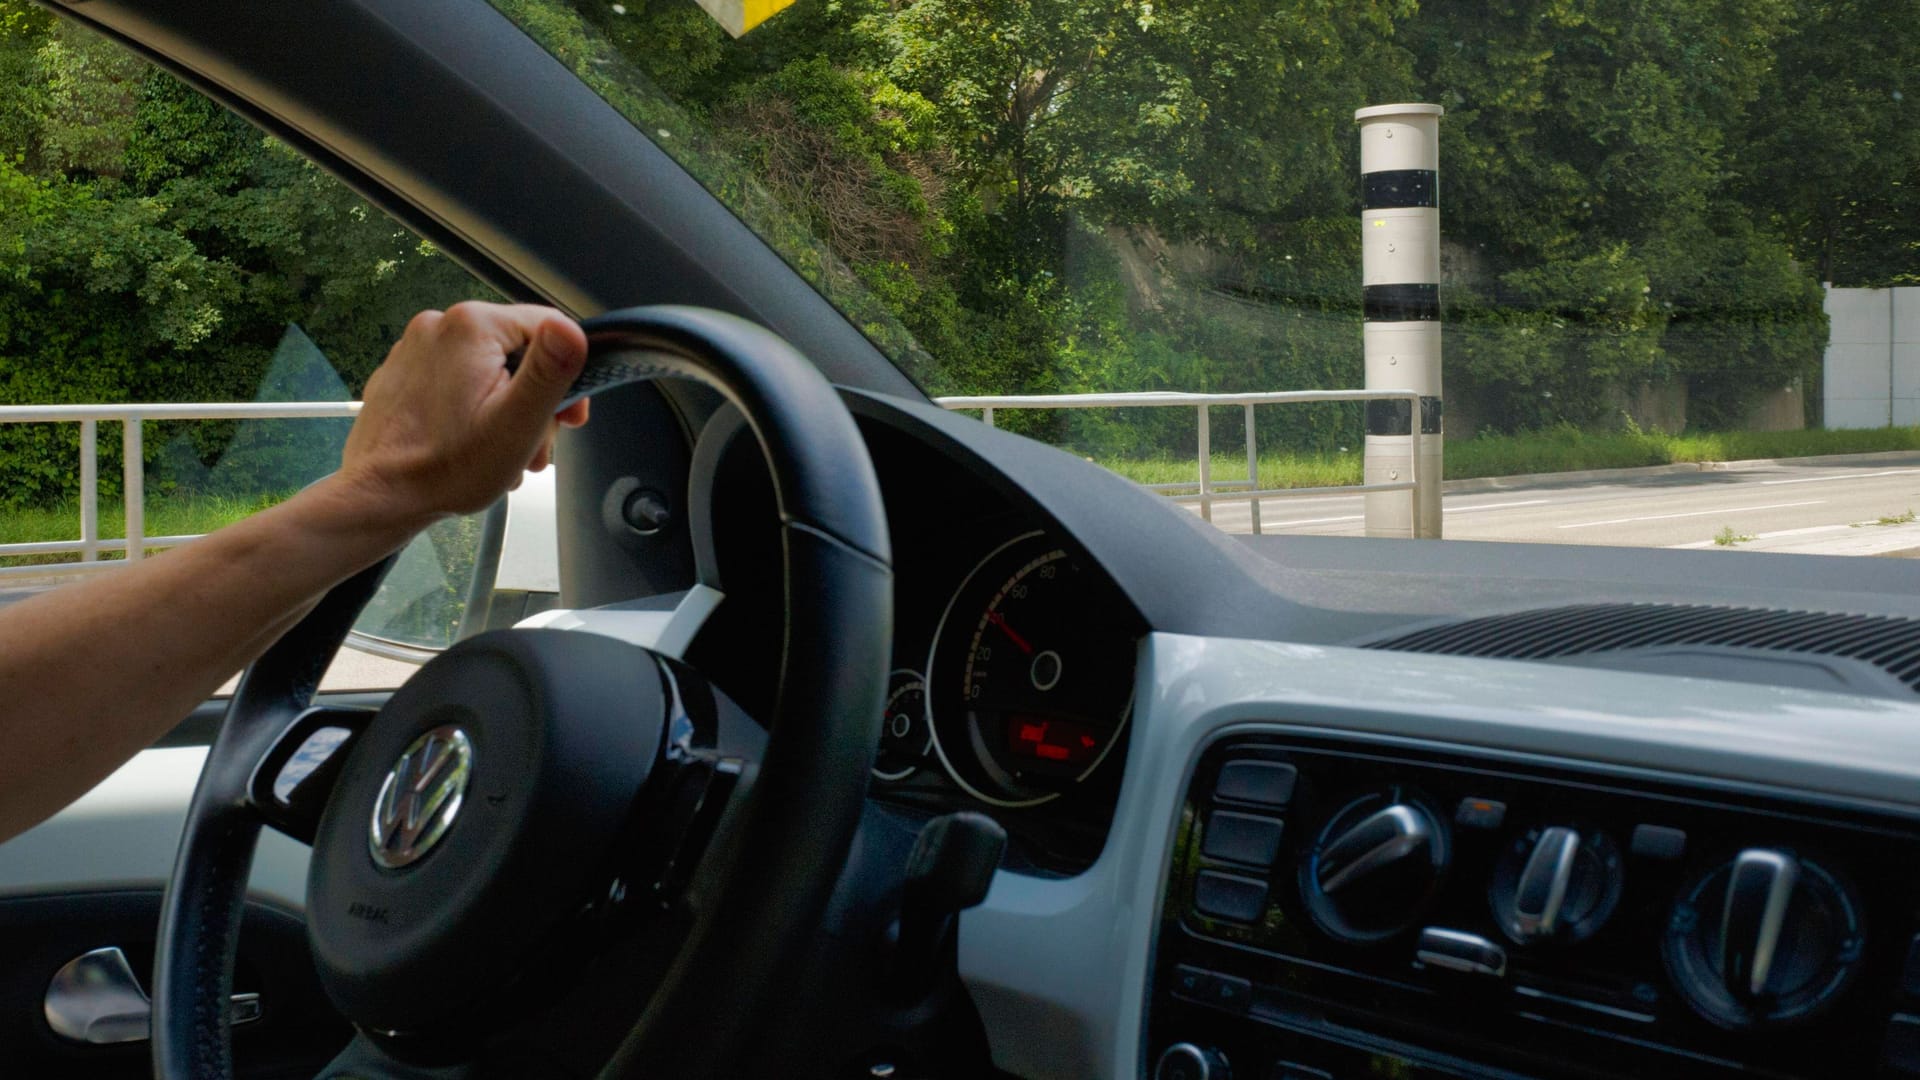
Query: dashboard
x=1643, y=858
x=1568, y=866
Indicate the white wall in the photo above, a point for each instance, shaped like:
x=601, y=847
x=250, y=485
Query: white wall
x=1872, y=369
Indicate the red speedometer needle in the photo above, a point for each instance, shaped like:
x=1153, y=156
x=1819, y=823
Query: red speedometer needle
x=1000, y=621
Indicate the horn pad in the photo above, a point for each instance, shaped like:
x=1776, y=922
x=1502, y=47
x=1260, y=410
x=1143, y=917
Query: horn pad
x=477, y=814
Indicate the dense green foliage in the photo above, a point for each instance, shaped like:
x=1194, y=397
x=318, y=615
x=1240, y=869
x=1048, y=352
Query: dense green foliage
x=1124, y=194
x=153, y=247
x=1017, y=196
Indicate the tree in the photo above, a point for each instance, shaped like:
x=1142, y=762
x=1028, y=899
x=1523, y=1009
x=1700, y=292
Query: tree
x=153, y=247
x=1830, y=153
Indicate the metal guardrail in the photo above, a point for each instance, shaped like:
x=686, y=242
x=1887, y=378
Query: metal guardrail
x=1210, y=490
x=133, y=475
x=132, y=417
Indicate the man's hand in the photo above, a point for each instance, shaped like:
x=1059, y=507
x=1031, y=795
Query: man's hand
x=94, y=672
x=445, y=429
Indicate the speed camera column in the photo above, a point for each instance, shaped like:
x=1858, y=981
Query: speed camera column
x=1400, y=279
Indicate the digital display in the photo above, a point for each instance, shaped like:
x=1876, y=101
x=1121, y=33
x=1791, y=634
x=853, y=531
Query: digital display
x=1051, y=739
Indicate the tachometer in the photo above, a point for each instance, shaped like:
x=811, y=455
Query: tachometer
x=1030, y=679
x=904, y=738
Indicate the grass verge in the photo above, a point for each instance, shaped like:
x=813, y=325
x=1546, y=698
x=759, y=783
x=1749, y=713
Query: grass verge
x=174, y=515
x=1555, y=450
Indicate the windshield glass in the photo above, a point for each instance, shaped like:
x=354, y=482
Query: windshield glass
x=1673, y=238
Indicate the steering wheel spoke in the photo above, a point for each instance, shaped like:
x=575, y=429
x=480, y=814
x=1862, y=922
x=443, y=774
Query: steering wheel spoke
x=295, y=778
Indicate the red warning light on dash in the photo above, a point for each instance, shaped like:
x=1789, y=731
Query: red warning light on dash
x=1045, y=738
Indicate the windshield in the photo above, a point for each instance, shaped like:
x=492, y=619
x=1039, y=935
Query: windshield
x=1631, y=265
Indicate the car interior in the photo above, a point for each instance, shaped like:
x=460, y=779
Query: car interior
x=886, y=743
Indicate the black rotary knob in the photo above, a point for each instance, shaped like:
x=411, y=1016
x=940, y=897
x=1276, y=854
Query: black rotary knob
x=1556, y=883
x=1374, y=868
x=1766, y=938
x=1185, y=1061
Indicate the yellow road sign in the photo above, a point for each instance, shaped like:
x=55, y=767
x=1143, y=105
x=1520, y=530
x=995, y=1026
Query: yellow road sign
x=740, y=16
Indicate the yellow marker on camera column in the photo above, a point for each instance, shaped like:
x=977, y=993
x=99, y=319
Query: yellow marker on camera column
x=740, y=16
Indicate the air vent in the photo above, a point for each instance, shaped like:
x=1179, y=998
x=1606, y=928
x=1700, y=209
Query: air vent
x=1889, y=643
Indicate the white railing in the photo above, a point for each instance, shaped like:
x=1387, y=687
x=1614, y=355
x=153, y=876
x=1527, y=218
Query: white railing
x=1210, y=490
x=133, y=476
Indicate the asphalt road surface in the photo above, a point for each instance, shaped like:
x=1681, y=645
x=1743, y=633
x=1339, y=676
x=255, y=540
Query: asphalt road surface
x=1832, y=507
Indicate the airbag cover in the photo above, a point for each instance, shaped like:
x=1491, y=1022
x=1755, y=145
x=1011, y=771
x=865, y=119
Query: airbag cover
x=563, y=729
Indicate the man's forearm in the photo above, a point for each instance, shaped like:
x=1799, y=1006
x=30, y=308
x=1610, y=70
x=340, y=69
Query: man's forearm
x=93, y=673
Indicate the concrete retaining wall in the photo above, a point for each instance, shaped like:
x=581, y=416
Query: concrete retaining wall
x=1872, y=369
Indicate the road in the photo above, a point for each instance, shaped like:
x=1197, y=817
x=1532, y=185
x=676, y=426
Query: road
x=1829, y=507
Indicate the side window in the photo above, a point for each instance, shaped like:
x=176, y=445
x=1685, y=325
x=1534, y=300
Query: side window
x=155, y=249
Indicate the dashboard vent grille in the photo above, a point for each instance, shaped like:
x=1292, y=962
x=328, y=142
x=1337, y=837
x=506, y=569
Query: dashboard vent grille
x=1888, y=642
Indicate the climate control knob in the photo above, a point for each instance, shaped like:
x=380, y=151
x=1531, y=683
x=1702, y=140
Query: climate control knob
x=1557, y=883
x=1766, y=938
x=1185, y=1061
x=1374, y=868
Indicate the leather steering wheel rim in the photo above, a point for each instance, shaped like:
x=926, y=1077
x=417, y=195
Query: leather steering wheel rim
x=797, y=825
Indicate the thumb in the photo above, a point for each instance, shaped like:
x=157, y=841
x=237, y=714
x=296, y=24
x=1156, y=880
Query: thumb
x=552, y=361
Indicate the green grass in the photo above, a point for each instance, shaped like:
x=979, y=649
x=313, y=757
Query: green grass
x=1888, y=519
x=180, y=515
x=1557, y=450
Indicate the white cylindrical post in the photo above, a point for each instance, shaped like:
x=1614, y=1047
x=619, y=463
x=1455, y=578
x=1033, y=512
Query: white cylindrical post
x=1400, y=279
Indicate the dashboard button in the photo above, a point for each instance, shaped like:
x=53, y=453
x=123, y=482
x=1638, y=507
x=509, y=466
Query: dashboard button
x=1203, y=987
x=1462, y=952
x=1269, y=783
x=1229, y=896
x=1244, y=838
x=1658, y=842
x=1190, y=983
x=1475, y=813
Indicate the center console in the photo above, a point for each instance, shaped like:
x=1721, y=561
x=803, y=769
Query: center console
x=1340, y=909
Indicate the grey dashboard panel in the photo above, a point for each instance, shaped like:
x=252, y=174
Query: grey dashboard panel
x=1059, y=968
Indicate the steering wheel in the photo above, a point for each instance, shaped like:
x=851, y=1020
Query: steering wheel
x=555, y=852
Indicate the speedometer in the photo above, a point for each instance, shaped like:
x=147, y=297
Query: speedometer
x=1030, y=679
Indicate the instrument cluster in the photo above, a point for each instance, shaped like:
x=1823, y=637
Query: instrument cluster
x=1026, y=684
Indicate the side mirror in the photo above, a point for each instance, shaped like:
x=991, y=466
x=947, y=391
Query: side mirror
x=517, y=563
x=467, y=575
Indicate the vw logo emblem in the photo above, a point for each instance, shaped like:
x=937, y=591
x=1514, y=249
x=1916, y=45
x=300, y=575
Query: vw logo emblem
x=421, y=796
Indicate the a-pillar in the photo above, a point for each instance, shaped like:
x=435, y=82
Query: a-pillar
x=1400, y=278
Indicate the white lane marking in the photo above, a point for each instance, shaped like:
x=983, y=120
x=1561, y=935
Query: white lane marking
x=1775, y=535
x=1496, y=506
x=1695, y=513
x=1851, y=476
x=1317, y=521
